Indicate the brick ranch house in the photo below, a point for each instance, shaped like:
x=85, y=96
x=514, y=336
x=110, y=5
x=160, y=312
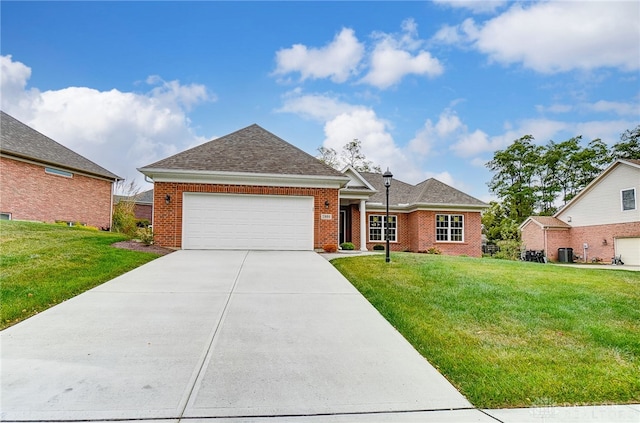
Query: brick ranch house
x=253, y=190
x=603, y=220
x=42, y=180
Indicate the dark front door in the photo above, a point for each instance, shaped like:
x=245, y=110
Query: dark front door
x=345, y=224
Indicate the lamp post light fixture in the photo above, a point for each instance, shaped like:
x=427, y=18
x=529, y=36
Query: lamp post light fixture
x=387, y=176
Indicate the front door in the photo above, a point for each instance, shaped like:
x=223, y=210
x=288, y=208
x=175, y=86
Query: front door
x=345, y=224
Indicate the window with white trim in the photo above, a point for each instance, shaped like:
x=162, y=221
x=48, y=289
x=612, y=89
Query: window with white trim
x=377, y=227
x=628, y=197
x=5, y=216
x=58, y=172
x=449, y=227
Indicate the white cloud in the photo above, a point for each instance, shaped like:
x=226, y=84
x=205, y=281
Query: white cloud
x=363, y=124
x=619, y=108
x=479, y=142
x=448, y=123
x=607, y=131
x=344, y=122
x=552, y=36
x=319, y=107
x=392, y=58
x=476, y=6
x=337, y=60
x=118, y=130
x=555, y=108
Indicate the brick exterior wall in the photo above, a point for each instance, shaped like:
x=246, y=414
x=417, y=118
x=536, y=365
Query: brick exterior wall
x=143, y=211
x=167, y=219
x=600, y=239
x=417, y=233
x=28, y=193
x=595, y=237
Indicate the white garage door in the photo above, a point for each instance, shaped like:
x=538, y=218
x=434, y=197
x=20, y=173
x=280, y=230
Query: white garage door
x=247, y=222
x=629, y=249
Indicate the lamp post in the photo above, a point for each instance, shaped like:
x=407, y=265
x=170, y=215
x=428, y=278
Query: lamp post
x=387, y=183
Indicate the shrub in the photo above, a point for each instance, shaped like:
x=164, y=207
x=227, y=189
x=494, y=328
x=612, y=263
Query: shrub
x=347, y=246
x=145, y=235
x=509, y=250
x=124, y=220
x=143, y=223
x=434, y=250
x=378, y=247
x=330, y=248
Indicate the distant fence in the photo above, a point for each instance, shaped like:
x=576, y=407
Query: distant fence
x=490, y=249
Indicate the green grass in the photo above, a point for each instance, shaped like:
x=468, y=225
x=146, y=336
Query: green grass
x=513, y=334
x=42, y=265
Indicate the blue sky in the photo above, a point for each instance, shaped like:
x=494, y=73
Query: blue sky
x=431, y=89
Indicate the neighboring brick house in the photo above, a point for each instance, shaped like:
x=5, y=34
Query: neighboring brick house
x=603, y=220
x=41, y=180
x=253, y=190
x=143, y=207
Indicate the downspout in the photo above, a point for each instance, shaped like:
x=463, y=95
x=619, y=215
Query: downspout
x=153, y=200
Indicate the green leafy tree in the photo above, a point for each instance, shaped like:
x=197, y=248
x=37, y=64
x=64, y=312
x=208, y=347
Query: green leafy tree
x=497, y=225
x=569, y=150
x=629, y=145
x=514, y=179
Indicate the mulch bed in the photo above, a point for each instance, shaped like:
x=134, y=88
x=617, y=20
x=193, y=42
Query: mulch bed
x=139, y=246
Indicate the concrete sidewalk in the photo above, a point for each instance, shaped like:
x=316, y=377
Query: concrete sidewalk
x=233, y=336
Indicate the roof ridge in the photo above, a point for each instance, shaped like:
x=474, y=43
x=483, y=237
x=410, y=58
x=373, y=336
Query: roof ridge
x=8, y=120
x=251, y=149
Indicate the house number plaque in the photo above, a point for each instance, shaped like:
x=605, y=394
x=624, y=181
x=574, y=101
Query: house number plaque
x=326, y=216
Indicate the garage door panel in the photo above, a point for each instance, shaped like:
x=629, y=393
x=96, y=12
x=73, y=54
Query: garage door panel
x=227, y=221
x=629, y=249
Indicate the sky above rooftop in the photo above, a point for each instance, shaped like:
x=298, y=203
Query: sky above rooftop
x=431, y=89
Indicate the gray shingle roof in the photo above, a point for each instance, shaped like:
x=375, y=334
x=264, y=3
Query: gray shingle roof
x=549, y=222
x=144, y=197
x=431, y=192
x=22, y=141
x=249, y=150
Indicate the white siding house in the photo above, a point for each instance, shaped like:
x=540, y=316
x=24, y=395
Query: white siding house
x=601, y=202
x=603, y=219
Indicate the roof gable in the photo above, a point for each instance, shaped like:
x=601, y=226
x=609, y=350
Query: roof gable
x=249, y=150
x=545, y=222
x=21, y=141
x=356, y=181
x=632, y=163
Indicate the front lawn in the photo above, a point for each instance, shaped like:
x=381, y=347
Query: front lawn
x=43, y=264
x=512, y=334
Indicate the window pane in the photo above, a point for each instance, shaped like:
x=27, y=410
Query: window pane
x=449, y=227
x=629, y=199
x=377, y=227
x=58, y=172
x=442, y=221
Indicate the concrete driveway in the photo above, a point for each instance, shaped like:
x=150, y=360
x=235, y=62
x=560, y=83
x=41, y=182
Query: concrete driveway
x=231, y=335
